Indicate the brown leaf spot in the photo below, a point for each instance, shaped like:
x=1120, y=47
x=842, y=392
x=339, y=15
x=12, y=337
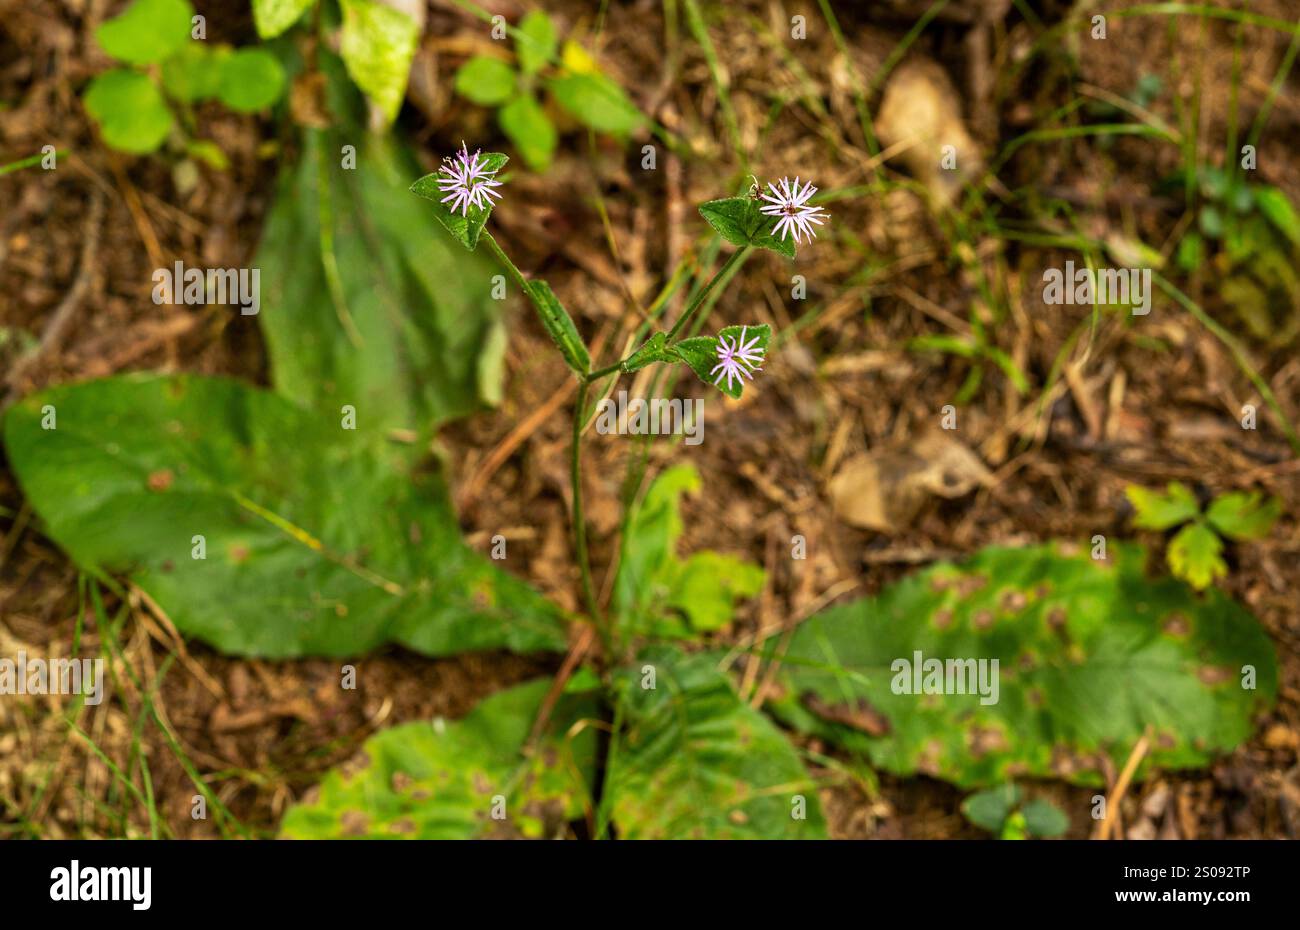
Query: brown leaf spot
x=983, y=740
x=1176, y=624
x=354, y=823
x=403, y=827
x=354, y=766
x=160, y=481
x=738, y=817
x=1214, y=674
x=401, y=781
x=859, y=715
x=983, y=619
x=1056, y=618
x=942, y=619
x=1013, y=601
x=238, y=553
x=969, y=584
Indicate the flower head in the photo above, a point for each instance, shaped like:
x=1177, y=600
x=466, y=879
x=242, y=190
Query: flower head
x=467, y=181
x=737, y=360
x=790, y=203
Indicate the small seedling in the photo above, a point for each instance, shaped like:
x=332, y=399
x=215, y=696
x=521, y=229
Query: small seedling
x=1250, y=234
x=164, y=72
x=1003, y=812
x=577, y=86
x=1195, y=554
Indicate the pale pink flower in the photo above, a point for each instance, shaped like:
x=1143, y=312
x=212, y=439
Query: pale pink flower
x=467, y=181
x=790, y=203
x=738, y=360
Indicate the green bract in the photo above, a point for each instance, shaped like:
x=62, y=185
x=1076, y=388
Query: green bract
x=468, y=227
x=701, y=354
x=739, y=221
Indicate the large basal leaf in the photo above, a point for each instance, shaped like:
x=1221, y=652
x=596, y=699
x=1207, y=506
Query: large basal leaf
x=444, y=781
x=314, y=543
x=1090, y=654
x=694, y=761
x=410, y=334
x=272, y=17
x=377, y=43
x=659, y=593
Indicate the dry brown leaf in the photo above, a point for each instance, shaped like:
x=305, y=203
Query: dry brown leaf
x=884, y=491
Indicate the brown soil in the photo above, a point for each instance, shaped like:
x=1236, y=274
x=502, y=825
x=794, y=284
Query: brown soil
x=844, y=383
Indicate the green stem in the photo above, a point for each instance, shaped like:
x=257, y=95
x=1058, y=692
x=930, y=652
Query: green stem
x=515, y=274
x=579, y=517
x=736, y=256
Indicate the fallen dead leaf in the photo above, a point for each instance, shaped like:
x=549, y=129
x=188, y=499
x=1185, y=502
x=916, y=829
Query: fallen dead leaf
x=885, y=490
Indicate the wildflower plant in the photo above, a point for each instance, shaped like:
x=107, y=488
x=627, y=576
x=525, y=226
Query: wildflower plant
x=1195, y=552
x=463, y=191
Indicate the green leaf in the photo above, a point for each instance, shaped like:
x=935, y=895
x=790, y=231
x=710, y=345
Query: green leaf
x=659, y=594
x=701, y=353
x=441, y=781
x=535, y=41
x=1191, y=251
x=377, y=43
x=411, y=337
x=1156, y=511
x=148, y=31
x=527, y=126
x=191, y=75
x=207, y=152
x=654, y=349
x=1015, y=828
x=1211, y=222
x=313, y=543
x=990, y=808
x=272, y=17
x=1090, y=654
x=1244, y=515
x=596, y=101
x=1044, y=819
x=130, y=111
x=251, y=79
x=559, y=326
x=740, y=222
x=694, y=761
x=466, y=228
x=486, y=81
x=1276, y=206
x=1196, y=555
